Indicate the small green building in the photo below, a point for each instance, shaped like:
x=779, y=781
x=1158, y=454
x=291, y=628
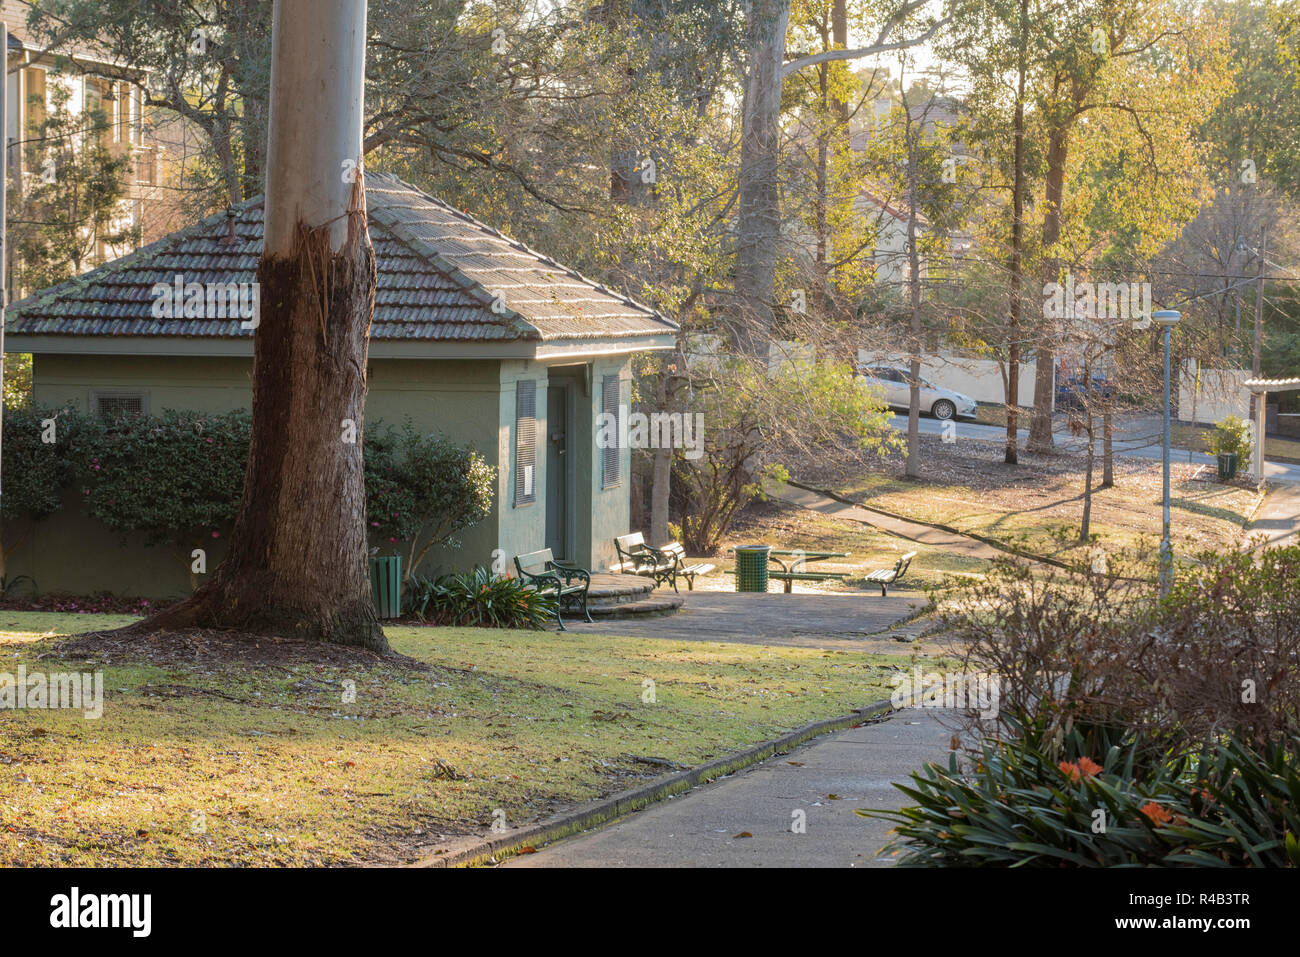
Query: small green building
x=474, y=335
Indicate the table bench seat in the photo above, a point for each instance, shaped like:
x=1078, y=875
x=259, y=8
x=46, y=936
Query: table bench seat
x=789, y=577
x=884, y=577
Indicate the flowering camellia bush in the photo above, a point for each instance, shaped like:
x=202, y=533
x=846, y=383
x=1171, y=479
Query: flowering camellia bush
x=422, y=489
x=45, y=452
x=177, y=478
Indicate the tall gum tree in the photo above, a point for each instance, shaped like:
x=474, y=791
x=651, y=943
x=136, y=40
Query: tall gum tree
x=297, y=559
x=759, y=199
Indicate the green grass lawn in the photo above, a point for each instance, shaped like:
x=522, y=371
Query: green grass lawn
x=1033, y=514
x=222, y=763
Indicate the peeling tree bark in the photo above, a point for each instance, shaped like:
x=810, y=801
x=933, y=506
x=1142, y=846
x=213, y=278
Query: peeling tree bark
x=297, y=559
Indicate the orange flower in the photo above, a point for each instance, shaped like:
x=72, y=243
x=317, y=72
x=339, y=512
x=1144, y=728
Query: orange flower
x=1156, y=814
x=1076, y=771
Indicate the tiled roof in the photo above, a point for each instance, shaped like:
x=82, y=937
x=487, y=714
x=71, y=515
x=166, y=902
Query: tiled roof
x=440, y=273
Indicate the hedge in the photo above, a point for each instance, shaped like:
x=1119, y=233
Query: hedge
x=178, y=477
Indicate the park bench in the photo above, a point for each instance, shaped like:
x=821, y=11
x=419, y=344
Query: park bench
x=888, y=576
x=797, y=569
x=544, y=573
x=665, y=564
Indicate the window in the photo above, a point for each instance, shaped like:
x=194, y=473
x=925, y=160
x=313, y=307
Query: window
x=108, y=404
x=609, y=455
x=525, y=442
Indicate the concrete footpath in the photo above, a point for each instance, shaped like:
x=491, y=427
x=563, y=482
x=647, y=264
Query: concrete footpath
x=826, y=779
x=917, y=532
x=1278, y=518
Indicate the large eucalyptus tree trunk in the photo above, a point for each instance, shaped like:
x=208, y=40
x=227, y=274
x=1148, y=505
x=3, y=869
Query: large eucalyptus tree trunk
x=297, y=559
x=759, y=218
x=1040, y=424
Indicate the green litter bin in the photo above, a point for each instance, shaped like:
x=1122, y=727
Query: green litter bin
x=386, y=585
x=751, y=567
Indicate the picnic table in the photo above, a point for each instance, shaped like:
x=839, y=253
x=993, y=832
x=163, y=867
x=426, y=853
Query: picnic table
x=793, y=564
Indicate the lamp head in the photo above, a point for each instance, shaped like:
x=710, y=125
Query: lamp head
x=1166, y=317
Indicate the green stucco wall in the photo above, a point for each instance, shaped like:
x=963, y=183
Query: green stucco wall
x=469, y=401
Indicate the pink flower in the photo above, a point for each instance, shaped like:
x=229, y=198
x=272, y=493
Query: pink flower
x=216, y=534
x=392, y=539
x=209, y=441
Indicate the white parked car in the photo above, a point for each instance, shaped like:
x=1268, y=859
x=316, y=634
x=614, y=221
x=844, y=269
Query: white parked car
x=937, y=401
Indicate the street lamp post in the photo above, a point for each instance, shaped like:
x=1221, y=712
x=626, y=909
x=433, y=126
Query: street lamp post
x=1166, y=319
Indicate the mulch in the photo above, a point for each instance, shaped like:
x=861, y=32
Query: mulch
x=100, y=604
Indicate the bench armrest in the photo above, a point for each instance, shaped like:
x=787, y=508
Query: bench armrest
x=662, y=559
x=569, y=574
x=541, y=580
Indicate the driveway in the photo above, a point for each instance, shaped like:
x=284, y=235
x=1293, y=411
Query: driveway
x=821, y=783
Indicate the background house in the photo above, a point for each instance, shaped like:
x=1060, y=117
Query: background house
x=474, y=335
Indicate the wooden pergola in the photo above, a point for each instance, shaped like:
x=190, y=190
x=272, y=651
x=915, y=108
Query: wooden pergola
x=1260, y=388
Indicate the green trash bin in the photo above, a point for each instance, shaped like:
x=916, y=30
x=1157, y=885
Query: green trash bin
x=751, y=567
x=386, y=585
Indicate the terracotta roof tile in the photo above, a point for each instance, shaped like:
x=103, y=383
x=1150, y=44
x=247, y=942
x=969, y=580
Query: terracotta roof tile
x=440, y=271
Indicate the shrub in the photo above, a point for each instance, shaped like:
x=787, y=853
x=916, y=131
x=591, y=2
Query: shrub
x=175, y=478
x=1217, y=656
x=1179, y=718
x=1232, y=437
x=423, y=489
x=38, y=473
x=753, y=418
x=479, y=598
x=1024, y=805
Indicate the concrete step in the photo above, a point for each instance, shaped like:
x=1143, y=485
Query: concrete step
x=662, y=603
x=618, y=589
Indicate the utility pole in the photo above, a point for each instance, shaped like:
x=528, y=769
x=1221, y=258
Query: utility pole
x=1260, y=397
x=1259, y=302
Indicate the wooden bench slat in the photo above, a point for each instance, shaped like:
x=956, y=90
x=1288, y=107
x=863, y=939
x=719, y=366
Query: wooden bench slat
x=561, y=579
